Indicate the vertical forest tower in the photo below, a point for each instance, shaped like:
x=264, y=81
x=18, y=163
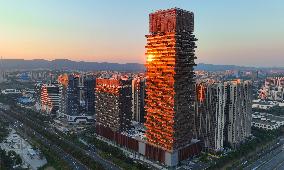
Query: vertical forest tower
x=170, y=85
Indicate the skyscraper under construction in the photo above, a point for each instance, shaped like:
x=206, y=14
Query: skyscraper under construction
x=170, y=86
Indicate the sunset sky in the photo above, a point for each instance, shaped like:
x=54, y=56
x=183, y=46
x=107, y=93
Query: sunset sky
x=242, y=32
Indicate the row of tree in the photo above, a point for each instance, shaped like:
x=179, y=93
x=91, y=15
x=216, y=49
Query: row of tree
x=9, y=160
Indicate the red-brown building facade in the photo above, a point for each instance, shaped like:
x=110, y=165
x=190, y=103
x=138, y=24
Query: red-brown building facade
x=170, y=85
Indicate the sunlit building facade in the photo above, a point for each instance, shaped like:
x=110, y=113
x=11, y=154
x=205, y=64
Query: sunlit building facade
x=69, y=95
x=167, y=135
x=113, y=103
x=50, y=98
x=170, y=86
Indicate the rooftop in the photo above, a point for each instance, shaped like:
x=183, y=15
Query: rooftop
x=267, y=117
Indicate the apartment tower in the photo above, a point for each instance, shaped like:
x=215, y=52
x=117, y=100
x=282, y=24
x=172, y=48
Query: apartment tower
x=69, y=94
x=113, y=102
x=170, y=86
x=89, y=94
x=238, y=110
x=209, y=119
x=138, y=99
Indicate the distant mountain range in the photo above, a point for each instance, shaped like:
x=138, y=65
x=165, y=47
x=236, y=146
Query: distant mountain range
x=64, y=64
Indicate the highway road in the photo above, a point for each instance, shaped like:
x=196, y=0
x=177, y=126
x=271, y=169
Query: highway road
x=273, y=160
x=276, y=163
x=76, y=164
x=91, y=152
x=23, y=130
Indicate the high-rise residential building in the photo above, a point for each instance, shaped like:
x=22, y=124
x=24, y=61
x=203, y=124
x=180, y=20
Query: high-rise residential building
x=50, y=98
x=89, y=85
x=70, y=91
x=2, y=72
x=2, y=76
x=37, y=94
x=138, y=99
x=69, y=94
x=63, y=84
x=113, y=102
x=210, y=105
x=170, y=85
x=73, y=96
x=238, y=111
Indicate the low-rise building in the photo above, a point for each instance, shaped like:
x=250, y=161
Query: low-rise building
x=264, y=104
x=11, y=91
x=267, y=121
x=273, y=89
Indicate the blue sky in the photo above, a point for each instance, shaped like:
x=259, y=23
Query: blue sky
x=243, y=32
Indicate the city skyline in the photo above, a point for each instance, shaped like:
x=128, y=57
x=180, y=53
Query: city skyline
x=168, y=113
x=105, y=32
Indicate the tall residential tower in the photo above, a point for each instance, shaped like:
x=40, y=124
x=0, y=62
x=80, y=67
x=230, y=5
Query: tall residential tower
x=209, y=119
x=170, y=86
x=238, y=109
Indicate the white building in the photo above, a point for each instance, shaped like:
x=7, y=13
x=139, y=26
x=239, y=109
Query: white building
x=209, y=118
x=138, y=96
x=238, y=109
x=264, y=104
x=11, y=91
x=267, y=121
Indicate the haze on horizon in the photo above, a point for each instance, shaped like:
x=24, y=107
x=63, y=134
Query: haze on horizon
x=239, y=32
